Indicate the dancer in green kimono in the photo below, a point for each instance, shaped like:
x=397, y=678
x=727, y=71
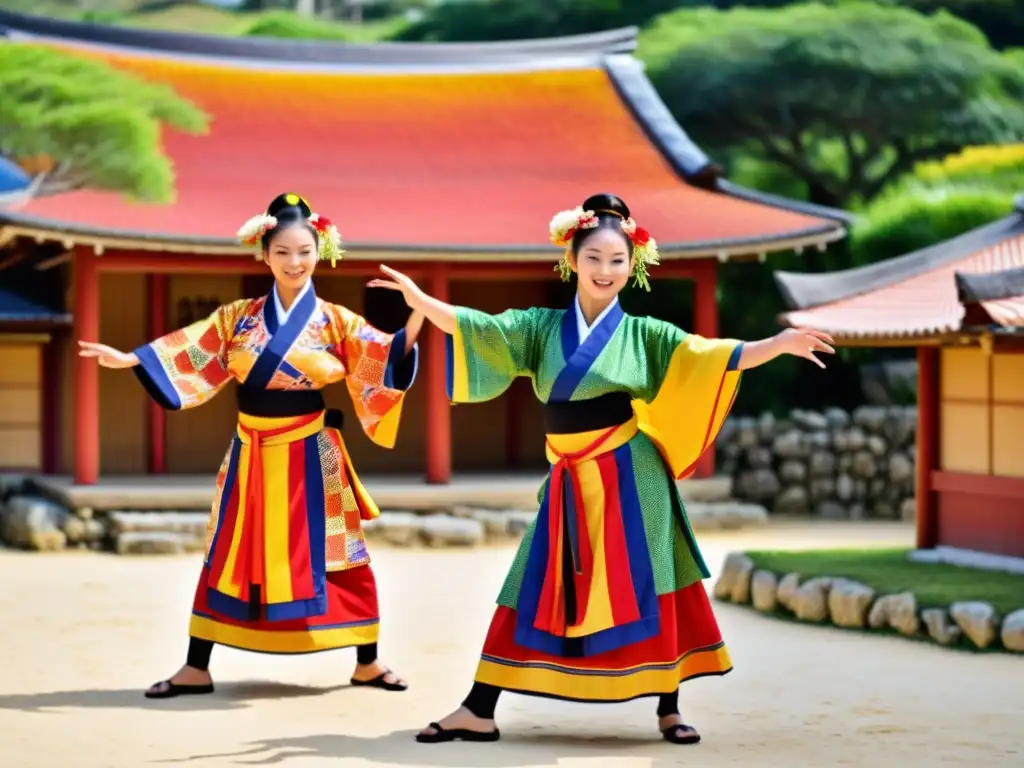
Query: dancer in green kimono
x=604, y=601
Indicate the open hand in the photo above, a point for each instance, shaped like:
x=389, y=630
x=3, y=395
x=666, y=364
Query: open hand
x=804, y=342
x=106, y=356
x=399, y=282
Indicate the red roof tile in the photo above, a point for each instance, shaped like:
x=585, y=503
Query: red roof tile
x=921, y=305
x=466, y=160
x=1008, y=313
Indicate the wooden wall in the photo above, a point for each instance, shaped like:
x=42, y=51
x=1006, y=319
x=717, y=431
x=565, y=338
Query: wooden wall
x=980, y=479
x=982, y=412
x=21, y=392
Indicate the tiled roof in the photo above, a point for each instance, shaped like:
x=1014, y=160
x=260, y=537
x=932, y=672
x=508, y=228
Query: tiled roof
x=457, y=158
x=925, y=303
x=1000, y=294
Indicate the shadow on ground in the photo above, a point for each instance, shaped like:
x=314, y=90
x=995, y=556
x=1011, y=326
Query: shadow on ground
x=228, y=696
x=540, y=750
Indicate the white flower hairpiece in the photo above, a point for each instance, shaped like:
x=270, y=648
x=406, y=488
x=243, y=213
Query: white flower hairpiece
x=252, y=232
x=255, y=228
x=565, y=224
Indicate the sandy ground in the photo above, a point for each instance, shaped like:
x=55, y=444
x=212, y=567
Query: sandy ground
x=84, y=633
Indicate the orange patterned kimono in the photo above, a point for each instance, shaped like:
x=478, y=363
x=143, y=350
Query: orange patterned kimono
x=286, y=567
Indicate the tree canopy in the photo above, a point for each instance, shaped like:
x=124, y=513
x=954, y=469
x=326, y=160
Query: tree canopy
x=98, y=126
x=475, y=20
x=845, y=98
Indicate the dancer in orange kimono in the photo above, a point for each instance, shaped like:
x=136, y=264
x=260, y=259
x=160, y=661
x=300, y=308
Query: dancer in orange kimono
x=286, y=568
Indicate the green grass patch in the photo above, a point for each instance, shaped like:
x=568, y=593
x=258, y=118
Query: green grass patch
x=935, y=585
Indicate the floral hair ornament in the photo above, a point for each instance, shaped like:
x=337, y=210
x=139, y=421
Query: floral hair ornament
x=252, y=232
x=566, y=224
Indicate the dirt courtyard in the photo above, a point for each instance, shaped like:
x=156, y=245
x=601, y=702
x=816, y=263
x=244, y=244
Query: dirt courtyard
x=84, y=634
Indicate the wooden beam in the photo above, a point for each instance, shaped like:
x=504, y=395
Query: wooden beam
x=54, y=261
x=439, y=418
x=11, y=260
x=927, y=453
x=87, y=378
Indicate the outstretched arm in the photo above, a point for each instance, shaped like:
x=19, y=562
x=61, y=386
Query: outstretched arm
x=413, y=326
x=438, y=312
x=106, y=356
x=792, y=341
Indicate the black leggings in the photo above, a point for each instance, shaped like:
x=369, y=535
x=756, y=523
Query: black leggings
x=483, y=699
x=199, y=653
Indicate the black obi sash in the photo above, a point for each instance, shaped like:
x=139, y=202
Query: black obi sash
x=604, y=412
x=286, y=403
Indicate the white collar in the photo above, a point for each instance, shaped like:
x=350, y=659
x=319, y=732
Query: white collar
x=582, y=329
x=282, y=313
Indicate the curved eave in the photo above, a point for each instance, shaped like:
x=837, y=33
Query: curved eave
x=12, y=226
x=960, y=336
x=777, y=201
x=277, y=52
x=683, y=154
x=804, y=291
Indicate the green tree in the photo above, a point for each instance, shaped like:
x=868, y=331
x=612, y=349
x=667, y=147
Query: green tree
x=844, y=98
x=475, y=20
x=98, y=126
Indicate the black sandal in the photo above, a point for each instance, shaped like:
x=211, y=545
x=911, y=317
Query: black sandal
x=440, y=735
x=173, y=689
x=380, y=682
x=680, y=733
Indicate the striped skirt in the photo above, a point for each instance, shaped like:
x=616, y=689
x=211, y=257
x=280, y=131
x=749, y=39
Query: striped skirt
x=605, y=600
x=286, y=567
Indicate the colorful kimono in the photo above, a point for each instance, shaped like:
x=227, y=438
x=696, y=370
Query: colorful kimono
x=286, y=568
x=604, y=601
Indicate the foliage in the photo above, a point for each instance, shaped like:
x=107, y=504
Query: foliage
x=286, y=24
x=1000, y=167
x=886, y=87
x=99, y=126
x=906, y=221
x=478, y=20
x=939, y=200
x=936, y=585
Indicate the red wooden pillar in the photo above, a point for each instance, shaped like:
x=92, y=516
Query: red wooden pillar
x=87, y=374
x=156, y=417
x=927, y=446
x=439, y=418
x=705, y=323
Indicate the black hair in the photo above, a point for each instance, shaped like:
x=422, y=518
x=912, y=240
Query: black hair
x=611, y=213
x=290, y=210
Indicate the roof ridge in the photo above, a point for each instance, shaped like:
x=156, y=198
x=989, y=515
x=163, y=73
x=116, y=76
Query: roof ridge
x=801, y=290
x=275, y=50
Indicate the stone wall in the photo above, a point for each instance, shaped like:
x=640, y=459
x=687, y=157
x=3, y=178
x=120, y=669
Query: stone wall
x=834, y=464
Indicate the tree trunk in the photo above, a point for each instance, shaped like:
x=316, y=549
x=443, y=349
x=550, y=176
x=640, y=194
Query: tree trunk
x=306, y=8
x=820, y=195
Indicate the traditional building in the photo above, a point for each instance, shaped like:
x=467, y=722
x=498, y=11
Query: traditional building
x=961, y=304
x=446, y=161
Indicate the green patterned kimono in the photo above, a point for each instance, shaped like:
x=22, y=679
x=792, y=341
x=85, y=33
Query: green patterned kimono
x=604, y=601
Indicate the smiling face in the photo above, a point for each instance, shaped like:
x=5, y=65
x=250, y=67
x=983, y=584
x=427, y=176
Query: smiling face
x=292, y=256
x=603, y=264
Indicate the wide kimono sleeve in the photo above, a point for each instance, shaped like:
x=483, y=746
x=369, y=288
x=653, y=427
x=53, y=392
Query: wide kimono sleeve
x=692, y=383
x=189, y=366
x=379, y=373
x=486, y=352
